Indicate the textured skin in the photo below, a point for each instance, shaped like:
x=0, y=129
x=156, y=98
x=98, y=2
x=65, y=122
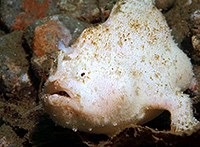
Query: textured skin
x=122, y=72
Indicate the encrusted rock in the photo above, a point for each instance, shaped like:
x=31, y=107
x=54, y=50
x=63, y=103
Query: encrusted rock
x=196, y=43
x=195, y=19
x=47, y=36
x=2, y=33
x=19, y=14
x=178, y=18
x=164, y=4
x=14, y=71
x=195, y=34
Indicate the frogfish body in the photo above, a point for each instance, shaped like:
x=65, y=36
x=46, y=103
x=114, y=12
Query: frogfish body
x=122, y=72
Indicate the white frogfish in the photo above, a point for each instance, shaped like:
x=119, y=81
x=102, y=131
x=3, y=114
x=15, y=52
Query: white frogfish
x=120, y=73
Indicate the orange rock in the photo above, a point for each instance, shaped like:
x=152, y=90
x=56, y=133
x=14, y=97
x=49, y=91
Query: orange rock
x=33, y=10
x=47, y=37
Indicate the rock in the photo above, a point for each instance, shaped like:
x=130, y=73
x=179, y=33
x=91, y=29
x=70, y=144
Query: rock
x=8, y=137
x=196, y=43
x=195, y=35
x=76, y=8
x=144, y=136
x=196, y=94
x=195, y=20
x=3, y=142
x=8, y=10
x=164, y=4
x=99, y=13
x=14, y=71
x=178, y=18
x=47, y=36
x=18, y=14
x=2, y=33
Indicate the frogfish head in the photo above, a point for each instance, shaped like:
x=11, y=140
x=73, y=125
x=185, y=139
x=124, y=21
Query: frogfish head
x=82, y=95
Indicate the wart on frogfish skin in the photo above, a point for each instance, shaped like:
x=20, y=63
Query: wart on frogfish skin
x=147, y=78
